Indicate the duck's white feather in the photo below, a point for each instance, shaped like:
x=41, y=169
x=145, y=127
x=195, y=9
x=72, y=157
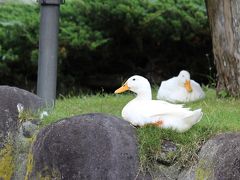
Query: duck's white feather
x=173, y=91
x=142, y=112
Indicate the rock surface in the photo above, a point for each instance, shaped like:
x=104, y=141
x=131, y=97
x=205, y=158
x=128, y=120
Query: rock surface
x=219, y=159
x=90, y=146
x=9, y=98
x=167, y=168
x=15, y=137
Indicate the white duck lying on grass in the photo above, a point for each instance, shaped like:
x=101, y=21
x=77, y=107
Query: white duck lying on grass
x=180, y=89
x=143, y=110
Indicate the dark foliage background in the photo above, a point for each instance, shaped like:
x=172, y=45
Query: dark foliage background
x=103, y=42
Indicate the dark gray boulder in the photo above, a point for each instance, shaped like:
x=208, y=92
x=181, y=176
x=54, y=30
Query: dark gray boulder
x=15, y=136
x=219, y=159
x=9, y=98
x=90, y=146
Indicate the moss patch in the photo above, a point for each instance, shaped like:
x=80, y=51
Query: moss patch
x=55, y=174
x=6, y=165
x=29, y=165
x=204, y=170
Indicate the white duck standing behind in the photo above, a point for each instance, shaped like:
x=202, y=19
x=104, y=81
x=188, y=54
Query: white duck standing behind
x=143, y=110
x=180, y=89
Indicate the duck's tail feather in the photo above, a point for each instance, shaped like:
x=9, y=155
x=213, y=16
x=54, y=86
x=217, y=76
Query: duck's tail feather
x=195, y=117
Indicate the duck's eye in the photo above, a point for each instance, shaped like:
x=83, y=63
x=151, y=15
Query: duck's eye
x=134, y=79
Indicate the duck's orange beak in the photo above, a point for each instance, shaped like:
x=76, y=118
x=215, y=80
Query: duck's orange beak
x=122, y=89
x=188, y=86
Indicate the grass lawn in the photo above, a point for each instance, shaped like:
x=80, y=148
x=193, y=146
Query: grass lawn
x=220, y=115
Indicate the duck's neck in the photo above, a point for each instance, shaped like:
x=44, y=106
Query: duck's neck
x=145, y=94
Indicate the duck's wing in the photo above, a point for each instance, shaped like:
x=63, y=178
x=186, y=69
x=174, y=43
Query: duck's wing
x=197, y=90
x=155, y=108
x=166, y=88
x=175, y=116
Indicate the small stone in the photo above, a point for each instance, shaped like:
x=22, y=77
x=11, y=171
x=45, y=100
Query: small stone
x=167, y=154
x=168, y=146
x=29, y=129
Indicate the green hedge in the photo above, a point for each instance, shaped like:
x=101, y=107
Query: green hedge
x=18, y=44
x=102, y=38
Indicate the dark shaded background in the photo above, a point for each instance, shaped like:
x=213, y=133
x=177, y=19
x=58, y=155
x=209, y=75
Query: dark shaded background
x=103, y=42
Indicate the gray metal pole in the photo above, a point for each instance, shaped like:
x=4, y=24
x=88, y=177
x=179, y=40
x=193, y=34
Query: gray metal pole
x=48, y=50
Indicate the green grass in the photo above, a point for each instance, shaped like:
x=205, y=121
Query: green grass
x=220, y=115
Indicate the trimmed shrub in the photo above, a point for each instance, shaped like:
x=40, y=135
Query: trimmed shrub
x=103, y=40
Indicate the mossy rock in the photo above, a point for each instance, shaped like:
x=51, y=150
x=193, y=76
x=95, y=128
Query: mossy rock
x=10, y=97
x=14, y=144
x=6, y=162
x=219, y=159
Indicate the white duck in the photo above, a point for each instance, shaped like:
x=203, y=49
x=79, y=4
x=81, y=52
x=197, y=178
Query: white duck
x=143, y=110
x=180, y=89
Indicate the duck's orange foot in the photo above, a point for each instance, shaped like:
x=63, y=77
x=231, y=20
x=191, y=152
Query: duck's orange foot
x=158, y=123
